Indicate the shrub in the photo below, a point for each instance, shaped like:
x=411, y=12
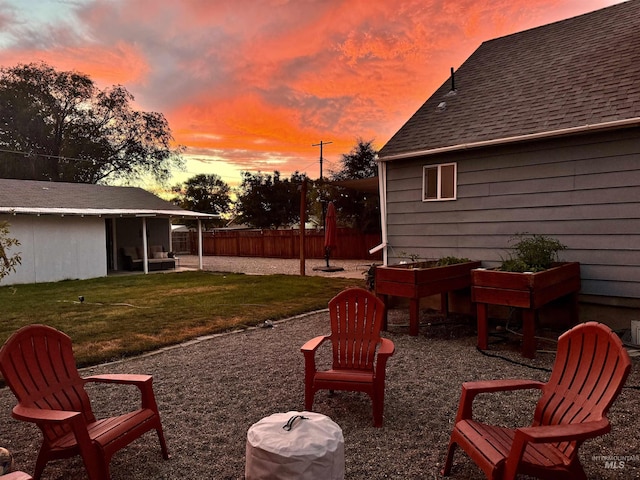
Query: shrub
x=7, y=263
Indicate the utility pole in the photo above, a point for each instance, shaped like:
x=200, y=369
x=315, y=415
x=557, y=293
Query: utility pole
x=320, y=145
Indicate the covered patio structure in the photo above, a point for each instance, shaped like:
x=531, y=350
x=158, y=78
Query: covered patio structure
x=80, y=231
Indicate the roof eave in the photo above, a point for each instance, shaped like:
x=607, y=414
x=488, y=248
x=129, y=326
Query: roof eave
x=99, y=212
x=626, y=123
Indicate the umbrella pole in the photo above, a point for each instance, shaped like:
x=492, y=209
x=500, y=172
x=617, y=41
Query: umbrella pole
x=326, y=254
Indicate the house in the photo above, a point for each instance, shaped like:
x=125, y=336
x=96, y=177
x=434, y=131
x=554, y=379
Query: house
x=536, y=132
x=79, y=231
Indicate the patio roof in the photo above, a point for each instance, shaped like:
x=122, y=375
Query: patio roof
x=28, y=197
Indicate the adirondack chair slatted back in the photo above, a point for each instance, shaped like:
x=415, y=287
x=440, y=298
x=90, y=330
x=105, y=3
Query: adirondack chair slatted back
x=356, y=319
x=590, y=369
x=37, y=364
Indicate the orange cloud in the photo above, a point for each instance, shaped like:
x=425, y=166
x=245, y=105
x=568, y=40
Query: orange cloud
x=253, y=85
x=117, y=64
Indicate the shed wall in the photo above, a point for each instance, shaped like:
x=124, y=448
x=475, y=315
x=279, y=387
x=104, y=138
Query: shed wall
x=584, y=191
x=57, y=248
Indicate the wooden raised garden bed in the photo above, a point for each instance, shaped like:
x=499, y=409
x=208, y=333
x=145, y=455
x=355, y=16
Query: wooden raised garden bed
x=421, y=279
x=529, y=291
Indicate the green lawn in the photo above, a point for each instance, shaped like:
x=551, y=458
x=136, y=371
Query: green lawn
x=127, y=315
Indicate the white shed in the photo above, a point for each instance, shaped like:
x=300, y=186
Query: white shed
x=80, y=231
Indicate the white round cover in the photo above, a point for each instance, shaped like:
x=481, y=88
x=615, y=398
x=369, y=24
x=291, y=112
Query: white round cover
x=312, y=449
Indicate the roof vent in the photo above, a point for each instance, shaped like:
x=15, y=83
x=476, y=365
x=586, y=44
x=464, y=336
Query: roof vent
x=442, y=106
x=453, y=80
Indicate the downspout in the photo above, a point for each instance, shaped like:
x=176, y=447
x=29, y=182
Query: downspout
x=382, y=189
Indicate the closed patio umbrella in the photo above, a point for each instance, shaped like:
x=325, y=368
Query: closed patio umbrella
x=330, y=231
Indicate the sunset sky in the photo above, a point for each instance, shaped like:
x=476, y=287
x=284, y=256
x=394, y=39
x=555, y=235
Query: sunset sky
x=253, y=84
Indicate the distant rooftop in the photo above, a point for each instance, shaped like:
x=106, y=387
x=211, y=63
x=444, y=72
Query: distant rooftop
x=35, y=197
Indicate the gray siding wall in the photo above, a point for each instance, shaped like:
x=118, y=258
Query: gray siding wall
x=584, y=191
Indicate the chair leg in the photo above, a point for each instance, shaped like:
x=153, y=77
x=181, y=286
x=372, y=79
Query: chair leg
x=377, y=399
x=576, y=470
x=96, y=469
x=163, y=443
x=41, y=462
x=95, y=462
x=448, y=463
x=377, y=405
x=309, y=395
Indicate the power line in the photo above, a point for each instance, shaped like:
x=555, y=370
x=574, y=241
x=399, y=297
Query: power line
x=47, y=155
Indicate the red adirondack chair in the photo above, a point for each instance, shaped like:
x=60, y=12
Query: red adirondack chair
x=590, y=369
x=37, y=363
x=356, y=318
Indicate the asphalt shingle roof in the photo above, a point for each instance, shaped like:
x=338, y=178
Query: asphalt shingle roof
x=573, y=73
x=26, y=196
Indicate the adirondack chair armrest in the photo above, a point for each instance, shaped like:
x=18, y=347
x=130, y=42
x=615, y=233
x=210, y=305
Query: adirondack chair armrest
x=143, y=382
x=120, y=378
x=39, y=415
x=563, y=433
x=312, y=345
x=575, y=432
x=75, y=420
x=471, y=389
x=309, y=351
x=386, y=348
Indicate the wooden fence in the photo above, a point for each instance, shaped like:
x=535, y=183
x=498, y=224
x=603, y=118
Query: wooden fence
x=352, y=244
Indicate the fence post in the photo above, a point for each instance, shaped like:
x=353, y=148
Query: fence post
x=303, y=224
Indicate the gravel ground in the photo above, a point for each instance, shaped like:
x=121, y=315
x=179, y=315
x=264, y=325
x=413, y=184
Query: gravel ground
x=212, y=390
x=269, y=266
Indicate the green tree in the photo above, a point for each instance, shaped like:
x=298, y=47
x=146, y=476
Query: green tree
x=357, y=209
x=59, y=126
x=206, y=193
x=360, y=162
x=8, y=262
x=269, y=201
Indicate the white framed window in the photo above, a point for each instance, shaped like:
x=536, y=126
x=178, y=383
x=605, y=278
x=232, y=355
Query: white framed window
x=439, y=182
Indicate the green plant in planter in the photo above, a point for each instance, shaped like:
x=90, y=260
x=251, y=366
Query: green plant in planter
x=451, y=261
x=414, y=257
x=370, y=277
x=532, y=253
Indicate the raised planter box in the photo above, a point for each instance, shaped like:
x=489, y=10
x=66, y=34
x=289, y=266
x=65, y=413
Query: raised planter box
x=529, y=291
x=422, y=279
